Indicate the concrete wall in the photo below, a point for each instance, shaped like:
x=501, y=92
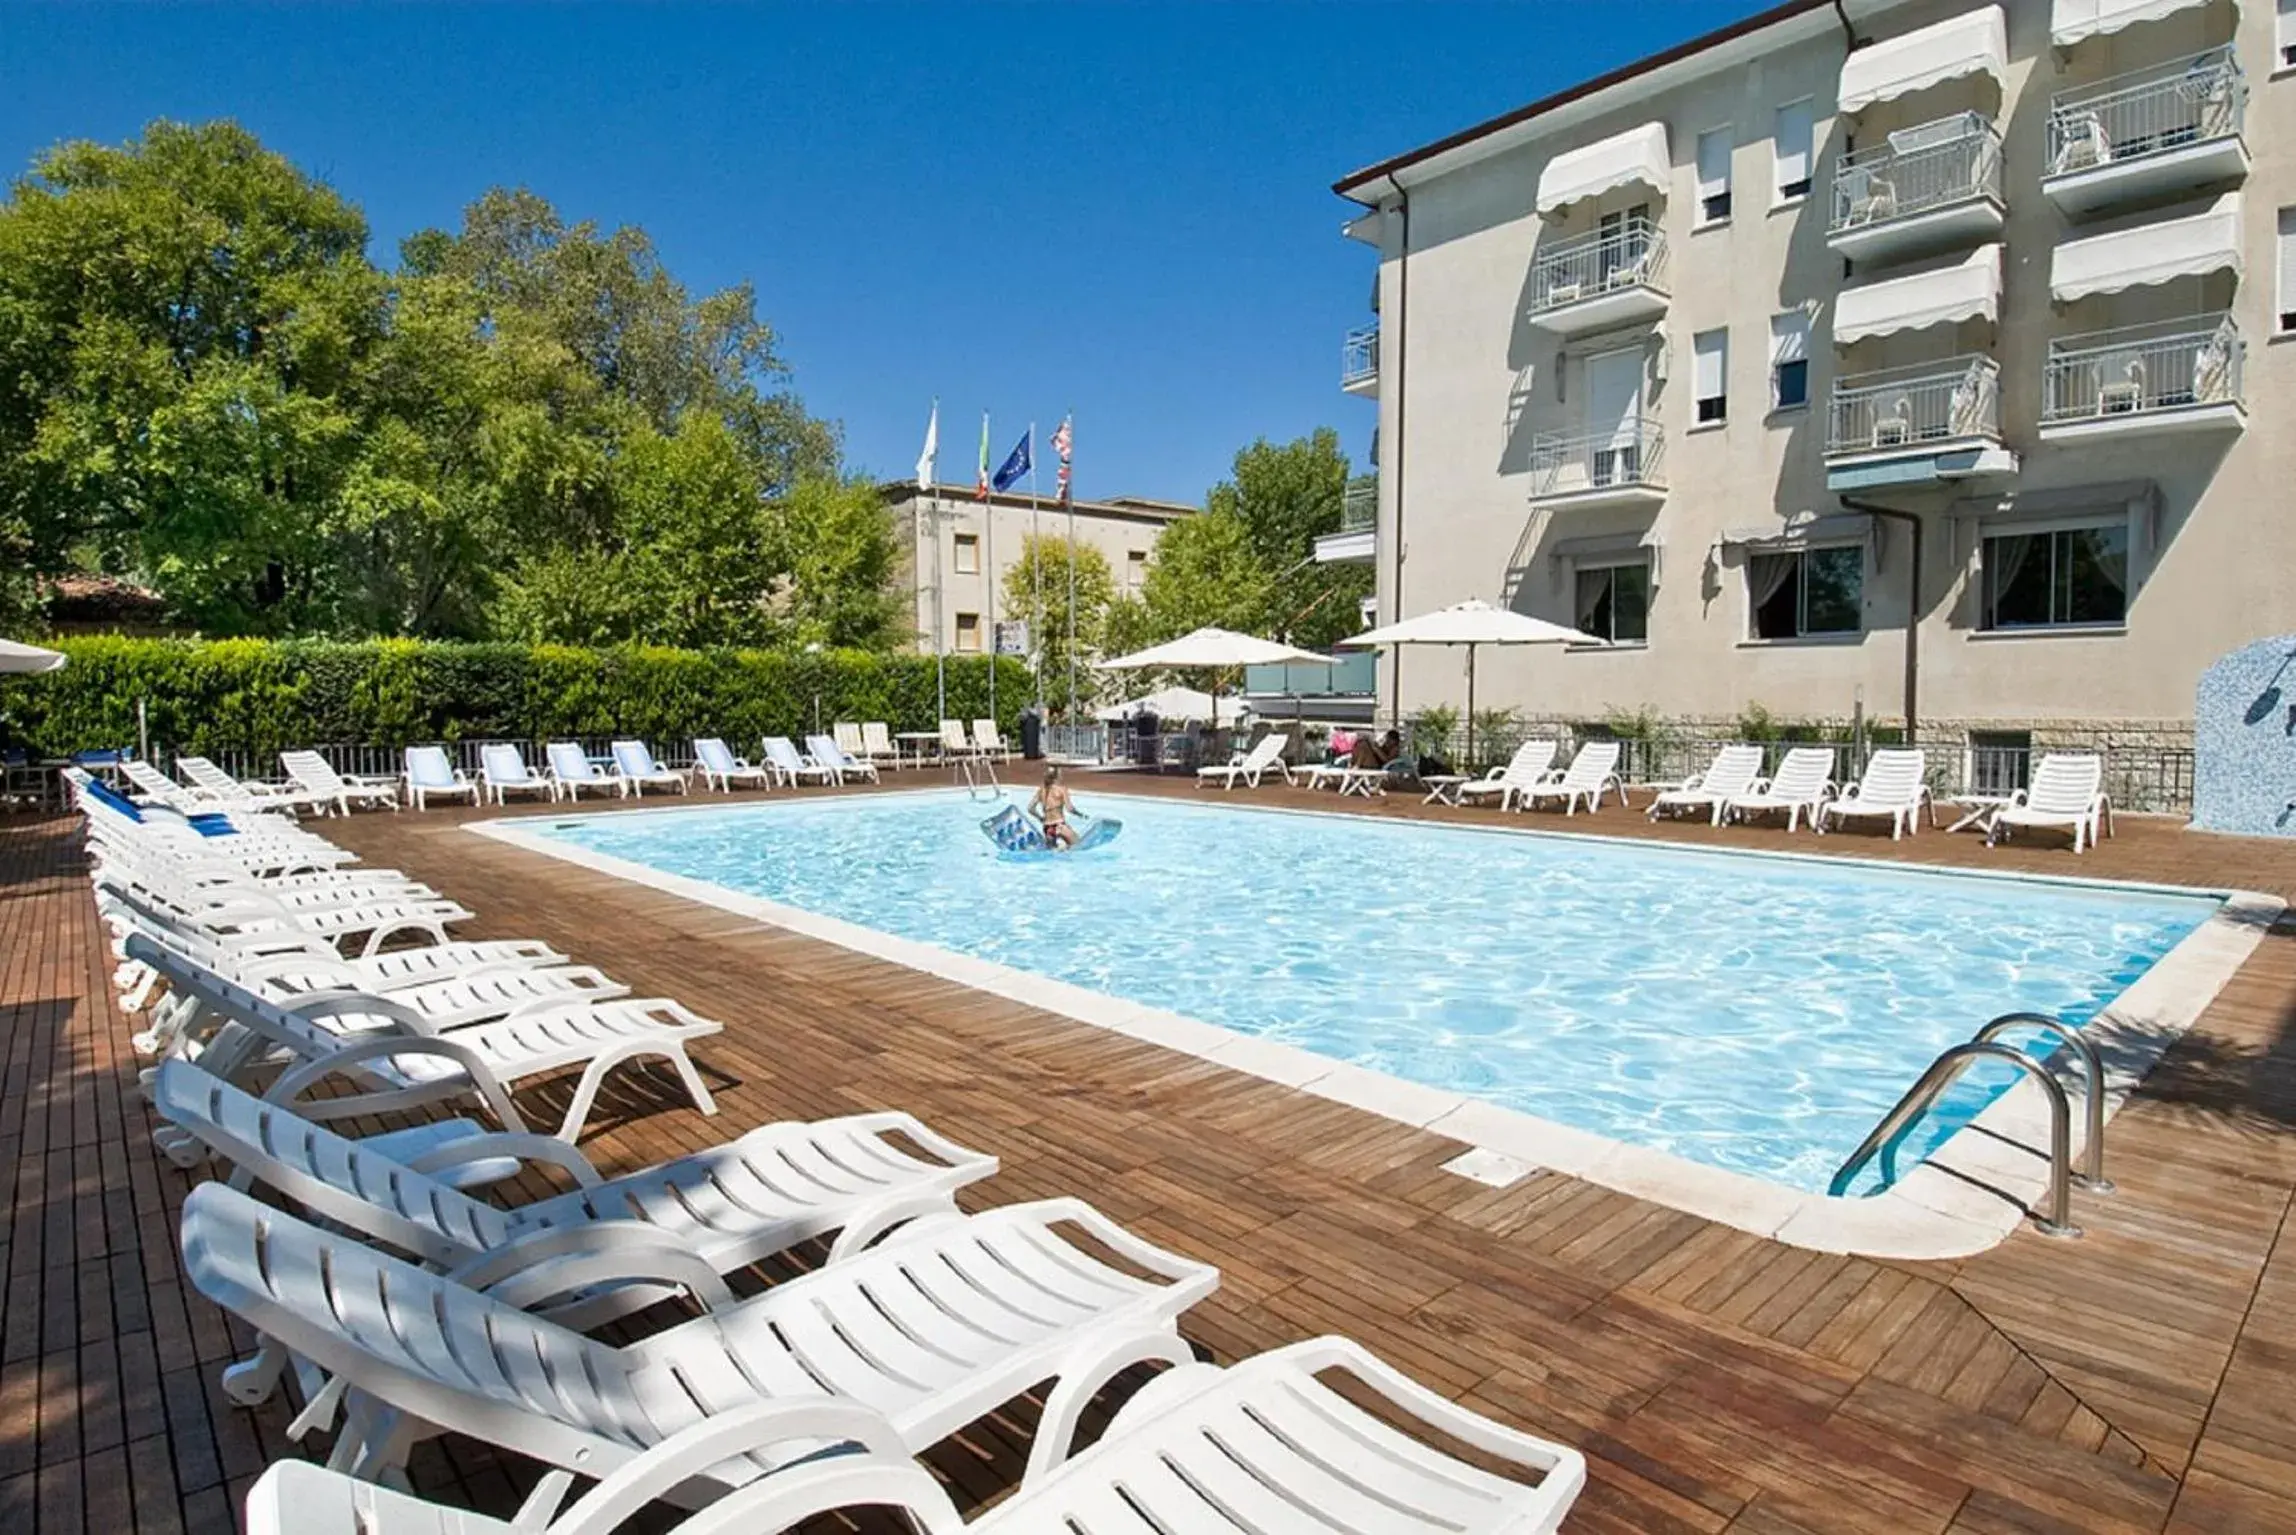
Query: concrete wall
x=2214, y=568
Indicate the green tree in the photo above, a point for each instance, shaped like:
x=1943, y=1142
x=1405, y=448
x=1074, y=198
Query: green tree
x=1285, y=496
x=1205, y=571
x=1037, y=589
x=832, y=545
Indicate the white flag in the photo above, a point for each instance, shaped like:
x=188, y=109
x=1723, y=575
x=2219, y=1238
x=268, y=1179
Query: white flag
x=932, y=448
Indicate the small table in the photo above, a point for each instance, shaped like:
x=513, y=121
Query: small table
x=919, y=743
x=1368, y=782
x=1442, y=788
x=1976, y=810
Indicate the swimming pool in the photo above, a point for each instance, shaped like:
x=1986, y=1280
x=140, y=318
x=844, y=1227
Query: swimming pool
x=1752, y=1013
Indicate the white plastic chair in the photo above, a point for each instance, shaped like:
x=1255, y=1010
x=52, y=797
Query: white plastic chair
x=317, y=778
x=721, y=769
x=1893, y=787
x=1730, y=774
x=1803, y=782
x=825, y=752
x=635, y=761
x=572, y=770
x=1529, y=767
x=502, y=771
x=429, y=774
x=2066, y=794
x=1592, y=770
x=1266, y=756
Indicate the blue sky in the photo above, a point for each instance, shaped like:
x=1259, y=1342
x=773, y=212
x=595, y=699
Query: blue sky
x=1117, y=208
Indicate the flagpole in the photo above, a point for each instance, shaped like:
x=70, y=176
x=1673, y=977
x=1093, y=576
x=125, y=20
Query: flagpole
x=989, y=563
x=940, y=618
x=1071, y=498
x=1036, y=542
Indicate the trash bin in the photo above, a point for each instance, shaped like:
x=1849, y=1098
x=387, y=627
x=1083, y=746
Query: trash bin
x=1032, y=734
x=1146, y=750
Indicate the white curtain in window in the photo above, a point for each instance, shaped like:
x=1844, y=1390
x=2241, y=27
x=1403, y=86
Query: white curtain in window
x=1593, y=587
x=1767, y=574
x=2112, y=558
x=1712, y=349
x=2005, y=558
x=1789, y=338
x=2287, y=259
x=1713, y=163
x=1792, y=145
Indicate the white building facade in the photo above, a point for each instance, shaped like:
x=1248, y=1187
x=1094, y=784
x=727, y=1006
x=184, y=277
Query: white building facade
x=1901, y=355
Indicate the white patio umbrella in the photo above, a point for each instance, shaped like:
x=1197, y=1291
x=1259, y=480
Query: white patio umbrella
x=24, y=659
x=1175, y=704
x=1214, y=650
x=1473, y=624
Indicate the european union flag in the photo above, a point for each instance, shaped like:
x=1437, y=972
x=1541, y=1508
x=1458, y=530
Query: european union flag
x=1017, y=463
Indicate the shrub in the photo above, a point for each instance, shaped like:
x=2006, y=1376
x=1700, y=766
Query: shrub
x=262, y=696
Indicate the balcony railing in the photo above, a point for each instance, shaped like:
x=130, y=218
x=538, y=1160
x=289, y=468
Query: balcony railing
x=1632, y=454
x=1359, y=355
x=1947, y=401
x=2149, y=111
x=1359, y=510
x=2140, y=368
x=1953, y=160
x=1629, y=254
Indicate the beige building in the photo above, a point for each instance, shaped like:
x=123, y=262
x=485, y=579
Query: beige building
x=960, y=547
x=1907, y=352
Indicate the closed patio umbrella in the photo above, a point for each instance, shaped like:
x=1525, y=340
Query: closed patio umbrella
x=1473, y=624
x=26, y=659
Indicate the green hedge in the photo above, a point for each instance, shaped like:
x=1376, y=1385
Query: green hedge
x=263, y=696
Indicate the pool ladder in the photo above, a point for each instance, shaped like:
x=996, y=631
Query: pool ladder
x=2056, y=1220
x=972, y=770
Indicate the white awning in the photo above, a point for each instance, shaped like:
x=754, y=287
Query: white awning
x=1639, y=154
x=1977, y=43
x=1926, y=298
x=1800, y=532
x=2149, y=253
x=2070, y=21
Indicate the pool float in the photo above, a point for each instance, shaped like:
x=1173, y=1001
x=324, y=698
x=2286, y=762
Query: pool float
x=1017, y=836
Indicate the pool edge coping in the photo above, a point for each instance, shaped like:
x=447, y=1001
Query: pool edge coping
x=1965, y=1197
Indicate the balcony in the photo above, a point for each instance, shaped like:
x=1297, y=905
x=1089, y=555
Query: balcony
x=2151, y=135
x=1357, y=540
x=1359, y=361
x=2145, y=380
x=1612, y=276
x=1928, y=424
x=1920, y=190
x=1622, y=467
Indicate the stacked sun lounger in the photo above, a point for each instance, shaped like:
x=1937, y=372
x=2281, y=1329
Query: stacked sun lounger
x=274, y=969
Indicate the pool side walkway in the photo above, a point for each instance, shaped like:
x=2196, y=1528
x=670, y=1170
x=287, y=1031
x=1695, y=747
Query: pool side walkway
x=2137, y=1380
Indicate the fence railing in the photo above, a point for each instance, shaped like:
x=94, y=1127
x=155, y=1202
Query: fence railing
x=1629, y=254
x=2150, y=111
x=1957, y=398
x=1918, y=170
x=2140, y=368
x=1359, y=509
x=1630, y=454
x=1359, y=355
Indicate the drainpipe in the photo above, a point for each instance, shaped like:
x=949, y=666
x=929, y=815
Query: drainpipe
x=1848, y=31
x=1912, y=605
x=1392, y=452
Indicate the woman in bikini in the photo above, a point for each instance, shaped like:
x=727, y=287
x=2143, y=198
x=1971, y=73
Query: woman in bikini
x=1051, y=807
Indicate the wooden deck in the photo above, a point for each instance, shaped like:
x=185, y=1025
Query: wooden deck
x=2137, y=1380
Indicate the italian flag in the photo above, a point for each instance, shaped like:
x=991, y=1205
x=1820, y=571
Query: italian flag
x=981, y=485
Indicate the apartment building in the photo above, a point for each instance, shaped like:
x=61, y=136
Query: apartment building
x=1925, y=356
x=959, y=547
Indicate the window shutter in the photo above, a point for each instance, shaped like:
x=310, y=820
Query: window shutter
x=1712, y=349
x=1793, y=143
x=2287, y=264
x=1713, y=163
x=1789, y=338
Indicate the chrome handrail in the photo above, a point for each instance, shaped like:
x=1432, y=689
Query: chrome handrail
x=966, y=767
x=2092, y=1175
x=1941, y=1074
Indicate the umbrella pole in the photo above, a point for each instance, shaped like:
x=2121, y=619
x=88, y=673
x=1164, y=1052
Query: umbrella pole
x=1469, y=765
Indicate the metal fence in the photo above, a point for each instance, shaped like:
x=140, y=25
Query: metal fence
x=2150, y=111
x=1630, y=454
x=1630, y=253
x=1918, y=170
x=2140, y=368
x=1958, y=397
x=1359, y=508
x=1359, y=355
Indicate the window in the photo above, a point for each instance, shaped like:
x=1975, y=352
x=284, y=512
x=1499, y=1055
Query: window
x=1135, y=569
x=1622, y=241
x=969, y=631
x=968, y=554
x=2065, y=577
x=1711, y=355
x=1614, y=602
x=1714, y=175
x=2285, y=37
x=1791, y=150
x=2000, y=761
x=1803, y=592
x=2287, y=264
x=1790, y=361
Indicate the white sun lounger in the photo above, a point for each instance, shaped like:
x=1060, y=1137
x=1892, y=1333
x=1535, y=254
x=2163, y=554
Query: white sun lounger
x=1893, y=787
x=1525, y=770
x=635, y=759
x=1729, y=775
x=311, y=773
x=159, y=789
x=597, y=1037
x=1266, y=755
x=1803, y=782
x=429, y=775
x=361, y=917
x=1593, y=770
x=572, y=770
x=2066, y=794
x=1248, y=1450
x=791, y=766
x=948, y=1318
x=847, y=734
x=204, y=775
x=825, y=751
x=777, y=1186
x=877, y=744
x=502, y=772
x=721, y=769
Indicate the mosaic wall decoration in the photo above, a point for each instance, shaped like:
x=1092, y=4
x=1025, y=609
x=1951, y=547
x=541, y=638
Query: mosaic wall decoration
x=2244, y=742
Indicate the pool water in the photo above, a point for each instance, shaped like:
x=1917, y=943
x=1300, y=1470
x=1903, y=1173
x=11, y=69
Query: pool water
x=1757, y=1014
